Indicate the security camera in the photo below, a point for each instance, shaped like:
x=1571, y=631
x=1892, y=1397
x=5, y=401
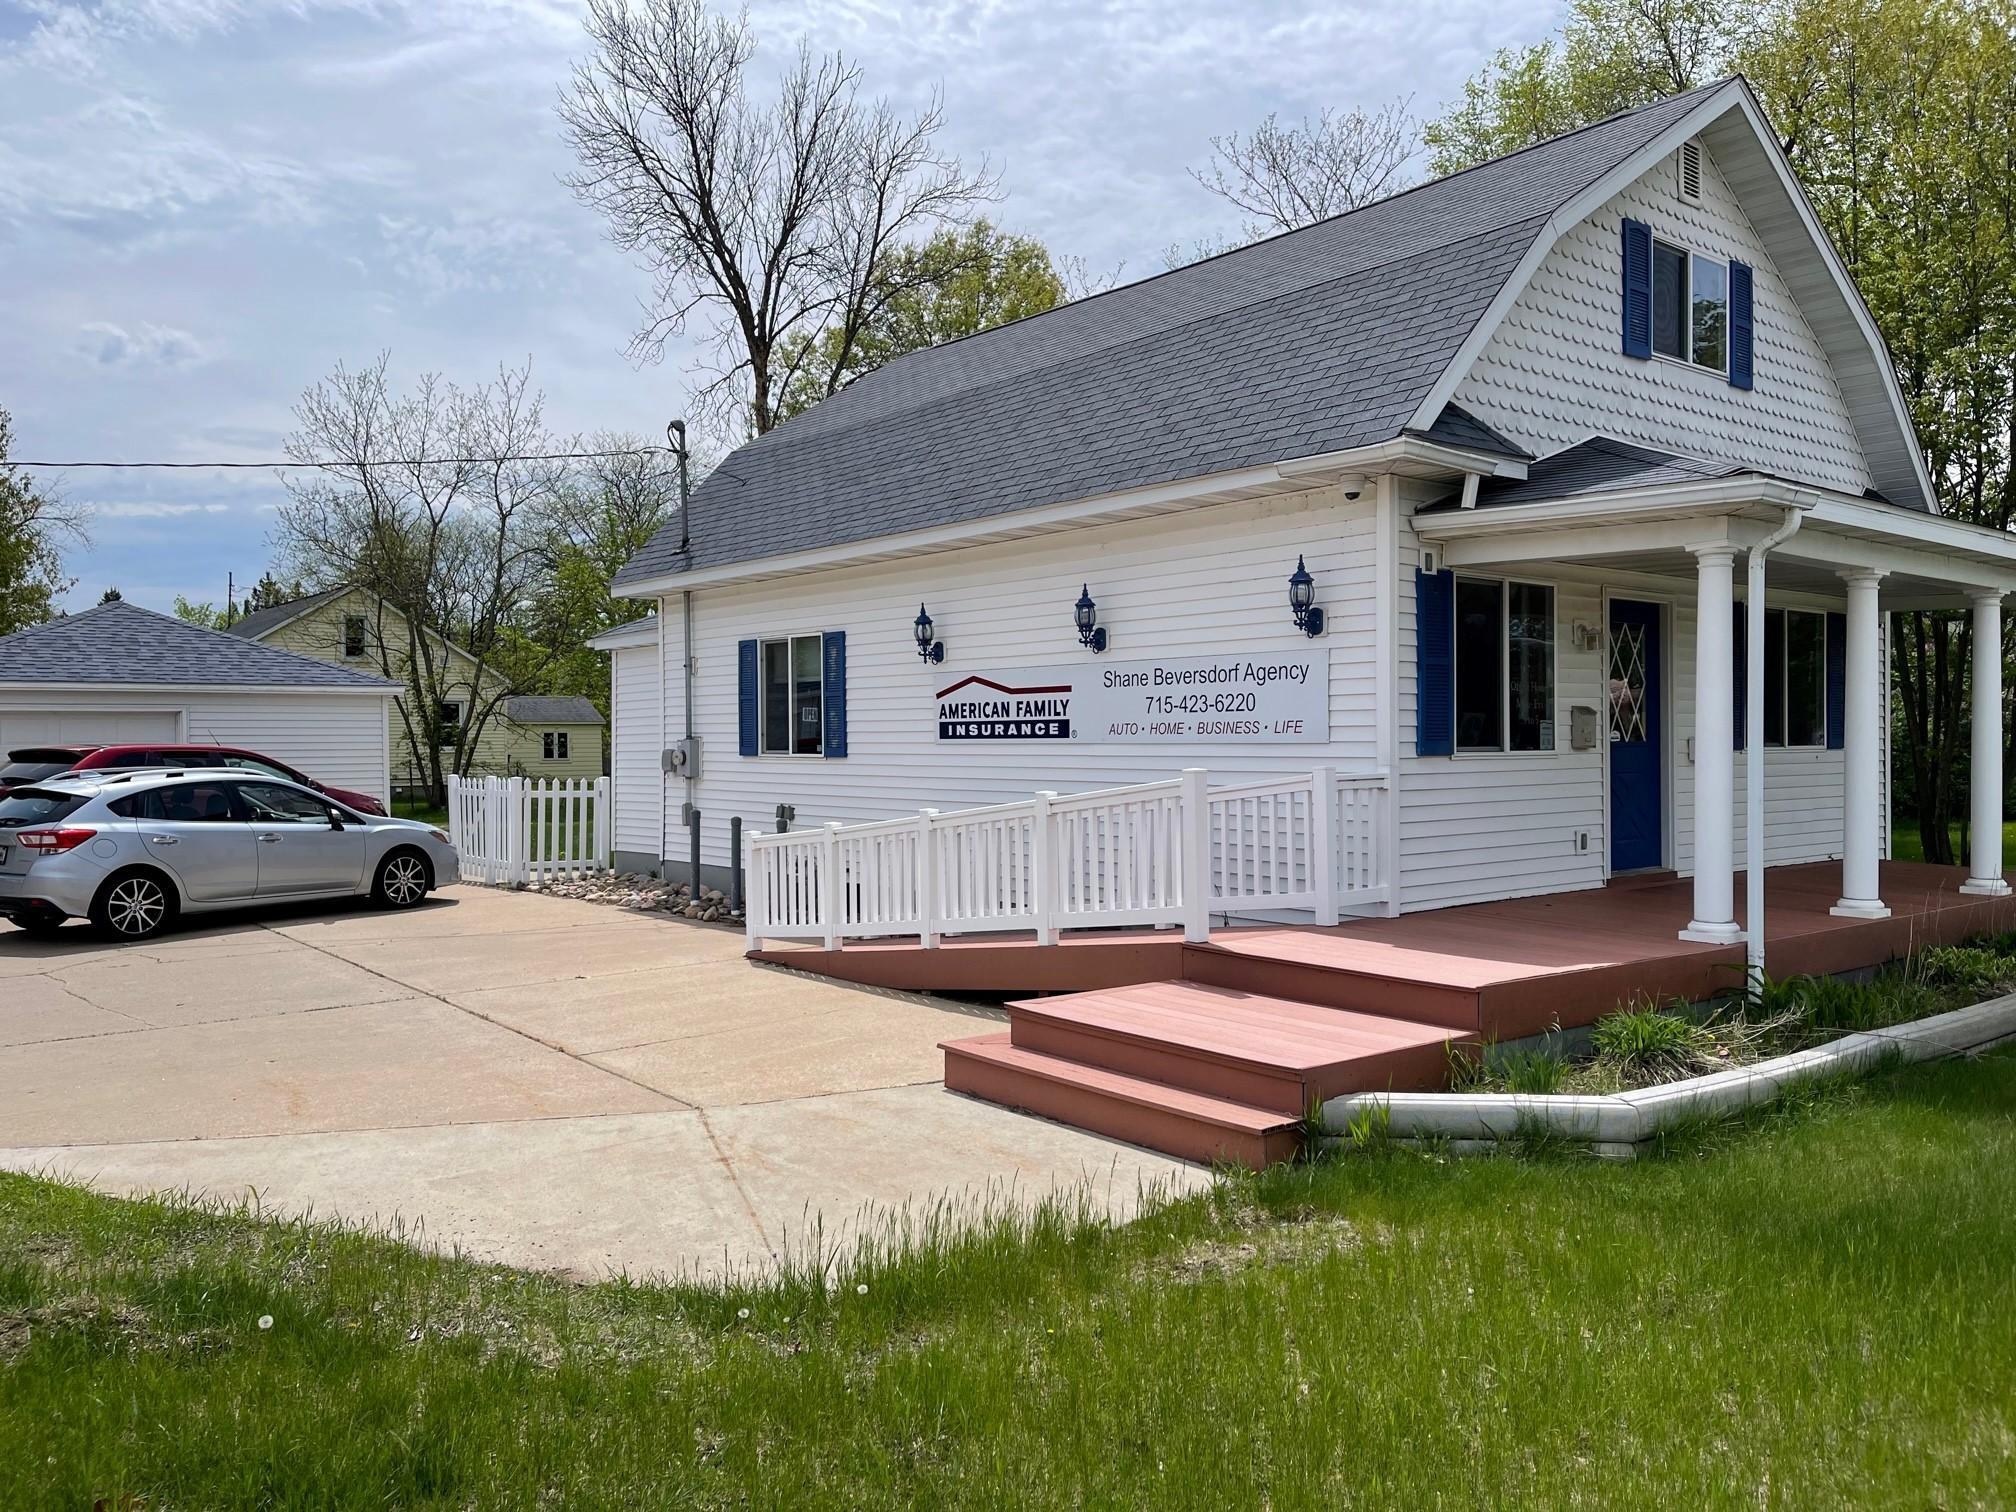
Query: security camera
x=1352, y=487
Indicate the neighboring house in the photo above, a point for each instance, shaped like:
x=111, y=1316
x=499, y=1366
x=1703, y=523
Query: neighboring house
x=523, y=735
x=120, y=674
x=1528, y=428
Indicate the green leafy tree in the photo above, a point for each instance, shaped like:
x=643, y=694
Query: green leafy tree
x=206, y=614
x=111, y=596
x=1897, y=117
x=34, y=523
x=955, y=284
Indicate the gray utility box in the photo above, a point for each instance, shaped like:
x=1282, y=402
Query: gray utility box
x=682, y=758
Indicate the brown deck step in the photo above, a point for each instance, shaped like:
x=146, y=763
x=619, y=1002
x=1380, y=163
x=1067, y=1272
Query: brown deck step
x=1300, y=965
x=1262, y=1051
x=1174, y=1120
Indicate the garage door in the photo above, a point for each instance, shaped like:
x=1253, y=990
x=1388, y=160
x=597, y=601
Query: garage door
x=85, y=727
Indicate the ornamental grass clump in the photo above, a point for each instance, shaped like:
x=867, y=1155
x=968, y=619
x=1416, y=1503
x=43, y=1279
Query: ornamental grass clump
x=1646, y=1044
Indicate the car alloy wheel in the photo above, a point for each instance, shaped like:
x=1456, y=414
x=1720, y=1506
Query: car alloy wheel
x=136, y=907
x=404, y=881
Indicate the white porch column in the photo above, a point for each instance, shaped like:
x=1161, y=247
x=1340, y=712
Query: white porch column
x=1714, y=756
x=1862, y=723
x=1984, y=844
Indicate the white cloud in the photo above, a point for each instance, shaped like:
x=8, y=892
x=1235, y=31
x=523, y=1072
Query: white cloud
x=152, y=510
x=148, y=345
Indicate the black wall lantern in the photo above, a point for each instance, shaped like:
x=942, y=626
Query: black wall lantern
x=1086, y=614
x=929, y=646
x=1302, y=599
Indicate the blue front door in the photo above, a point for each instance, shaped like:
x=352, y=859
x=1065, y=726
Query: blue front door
x=1637, y=744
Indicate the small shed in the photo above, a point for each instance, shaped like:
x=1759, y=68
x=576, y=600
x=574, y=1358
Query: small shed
x=120, y=674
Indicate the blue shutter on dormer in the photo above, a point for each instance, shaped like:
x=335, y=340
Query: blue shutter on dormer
x=1740, y=639
x=746, y=708
x=1434, y=663
x=1741, y=326
x=1637, y=289
x=1837, y=681
x=833, y=692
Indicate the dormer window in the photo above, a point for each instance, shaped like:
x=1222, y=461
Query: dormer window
x=1690, y=307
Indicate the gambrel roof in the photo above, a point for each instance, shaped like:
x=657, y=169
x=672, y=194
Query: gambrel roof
x=1343, y=334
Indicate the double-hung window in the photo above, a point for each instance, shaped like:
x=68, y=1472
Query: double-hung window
x=1795, y=678
x=1690, y=307
x=1504, y=666
x=553, y=745
x=792, y=711
x=354, y=634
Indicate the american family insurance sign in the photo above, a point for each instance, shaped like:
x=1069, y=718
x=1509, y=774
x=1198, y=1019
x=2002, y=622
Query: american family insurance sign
x=1233, y=698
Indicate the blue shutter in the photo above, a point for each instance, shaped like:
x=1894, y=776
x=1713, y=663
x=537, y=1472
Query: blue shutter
x=1741, y=326
x=747, y=694
x=1741, y=681
x=1637, y=289
x=833, y=692
x=1837, y=681
x=1434, y=663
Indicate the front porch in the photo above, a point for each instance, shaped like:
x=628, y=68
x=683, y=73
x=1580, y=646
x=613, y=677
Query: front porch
x=1500, y=970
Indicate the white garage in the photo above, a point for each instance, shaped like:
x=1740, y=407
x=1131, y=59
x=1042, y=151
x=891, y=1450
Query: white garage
x=120, y=674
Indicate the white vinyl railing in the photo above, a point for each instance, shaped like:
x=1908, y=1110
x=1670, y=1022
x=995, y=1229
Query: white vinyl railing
x=509, y=831
x=1159, y=853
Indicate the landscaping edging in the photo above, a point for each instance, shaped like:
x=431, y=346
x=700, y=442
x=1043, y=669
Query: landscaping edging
x=1618, y=1123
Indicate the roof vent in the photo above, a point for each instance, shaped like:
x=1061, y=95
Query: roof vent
x=1688, y=168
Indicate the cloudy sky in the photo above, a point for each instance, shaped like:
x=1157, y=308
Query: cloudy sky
x=206, y=204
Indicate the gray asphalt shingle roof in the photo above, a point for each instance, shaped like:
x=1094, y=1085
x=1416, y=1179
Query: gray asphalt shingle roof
x=532, y=708
x=1602, y=464
x=1318, y=340
x=259, y=621
x=123, y=643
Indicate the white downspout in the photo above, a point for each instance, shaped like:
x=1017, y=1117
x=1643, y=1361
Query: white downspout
x=664, y=743
x=1753, y=742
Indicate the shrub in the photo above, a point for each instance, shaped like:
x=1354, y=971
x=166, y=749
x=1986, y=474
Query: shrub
x=1533, y=1071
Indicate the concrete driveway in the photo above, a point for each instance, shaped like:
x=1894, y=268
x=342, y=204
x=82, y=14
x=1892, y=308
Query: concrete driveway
x=534, y=1080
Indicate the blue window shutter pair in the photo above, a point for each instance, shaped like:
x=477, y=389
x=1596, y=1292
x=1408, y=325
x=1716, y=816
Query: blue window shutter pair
x=1434, y=663
x=1837, y=681
x=1637, y=289
x=1741, y=326
x=832, y=694
x=1638, y=306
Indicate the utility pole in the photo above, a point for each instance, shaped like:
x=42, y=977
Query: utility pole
x=230, y=597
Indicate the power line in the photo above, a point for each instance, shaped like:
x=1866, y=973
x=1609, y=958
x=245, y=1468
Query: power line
x=627, y=451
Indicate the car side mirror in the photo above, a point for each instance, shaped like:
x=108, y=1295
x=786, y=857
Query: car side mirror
x=335, y=820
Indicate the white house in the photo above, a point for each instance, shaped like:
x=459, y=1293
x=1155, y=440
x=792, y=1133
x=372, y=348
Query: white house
x=118, y=674
x=1593, y=457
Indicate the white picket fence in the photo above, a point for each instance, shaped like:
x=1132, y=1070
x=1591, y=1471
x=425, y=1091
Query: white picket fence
x=509, y=831
x=1159, y=853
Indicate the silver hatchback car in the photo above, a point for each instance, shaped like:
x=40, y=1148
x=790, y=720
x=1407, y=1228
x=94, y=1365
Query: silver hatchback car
x=130, y=850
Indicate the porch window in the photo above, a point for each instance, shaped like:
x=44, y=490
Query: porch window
x=1690, y=307
x=1504, y=666
x=1795, y=678
x=793, y=717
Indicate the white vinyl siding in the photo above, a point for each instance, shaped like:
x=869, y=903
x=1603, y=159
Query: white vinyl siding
x=338, y=739
x=1181, y=585
x=635, y=774
x=1475, y=827
x=1554, y=373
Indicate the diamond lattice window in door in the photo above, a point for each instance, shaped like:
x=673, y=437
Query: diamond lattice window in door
x=1627, y=683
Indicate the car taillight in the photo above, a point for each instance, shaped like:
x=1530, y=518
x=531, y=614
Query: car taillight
x=52, y=842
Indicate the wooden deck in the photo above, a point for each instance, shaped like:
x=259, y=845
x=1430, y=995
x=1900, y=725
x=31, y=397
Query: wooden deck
x=1502, y=969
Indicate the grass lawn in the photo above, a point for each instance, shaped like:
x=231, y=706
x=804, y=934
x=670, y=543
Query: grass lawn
x=1816, y=1311
x=1905, y=844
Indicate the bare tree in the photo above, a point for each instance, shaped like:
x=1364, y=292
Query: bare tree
x=776, y=217
x=432, y=503
x=1284, y=176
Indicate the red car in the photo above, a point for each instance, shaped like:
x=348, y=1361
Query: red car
x=36, y=762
